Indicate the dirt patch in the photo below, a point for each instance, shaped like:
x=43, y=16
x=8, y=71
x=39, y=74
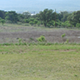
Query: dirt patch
x=70, y=50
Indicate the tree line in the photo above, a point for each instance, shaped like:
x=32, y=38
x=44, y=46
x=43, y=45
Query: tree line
x=47, y=17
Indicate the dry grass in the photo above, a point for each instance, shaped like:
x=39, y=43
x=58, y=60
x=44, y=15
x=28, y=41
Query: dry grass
x=9, y=33
x=37, y=62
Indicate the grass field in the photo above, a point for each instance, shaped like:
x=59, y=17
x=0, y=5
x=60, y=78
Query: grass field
x=40, y=62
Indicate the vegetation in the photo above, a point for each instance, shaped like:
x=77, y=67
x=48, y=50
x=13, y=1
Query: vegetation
x=2, y=21
x=41, y=39
x=47, y=17
x=38, y=62
x=63, y=35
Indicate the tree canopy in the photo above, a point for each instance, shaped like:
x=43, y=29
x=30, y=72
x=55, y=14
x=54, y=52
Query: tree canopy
x=47, y=17
x=12, y=16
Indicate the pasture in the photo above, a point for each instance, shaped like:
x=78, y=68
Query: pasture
x=40, y=62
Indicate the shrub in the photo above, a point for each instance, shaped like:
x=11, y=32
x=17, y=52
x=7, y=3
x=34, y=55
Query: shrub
x=63, y=35
x=39, y=23
x=48, y=25
x=78, y=25
x=2, y=21
x=20, y=41
x=67, y=41
x=41, y=39
x=26, y=20
x=35, y=21
x=32, y=23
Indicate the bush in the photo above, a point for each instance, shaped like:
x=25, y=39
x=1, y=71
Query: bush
x=32, y=23
x=67, y=41
x=35, y=21
x=63, y=35
x=48, y=25
x=63, y=24
x=26, y=20
x=78, y=25
x=41, y=39
x=39, y=23
x=2, y=21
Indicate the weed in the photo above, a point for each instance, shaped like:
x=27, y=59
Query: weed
x=20, y=41
x=67, y=41
x=76, y=75
x=41, y=39
x=63, y=35
x=31, y=39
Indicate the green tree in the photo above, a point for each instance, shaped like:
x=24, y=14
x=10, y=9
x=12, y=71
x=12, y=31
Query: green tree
x=12, y=16
x=26, y=15
x=35, y=21
x=2, y=21
x=63, y=16
x=32, y=19
x=2, y=14
x=26, y=20
x=78, y=25
x=46, y=16
x=32, y=23
x=74, y=18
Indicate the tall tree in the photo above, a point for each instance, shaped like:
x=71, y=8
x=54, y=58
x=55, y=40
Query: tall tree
x=2, y=14
x=74, y=18
x=26, y=15
x=12, y=16
x=46, y=16
x=63, y=16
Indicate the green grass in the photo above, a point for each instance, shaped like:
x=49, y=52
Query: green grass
x=40, y=62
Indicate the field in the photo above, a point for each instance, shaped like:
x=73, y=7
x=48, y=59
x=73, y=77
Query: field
x=40, y=62
x=57, y=61
x=10, y=33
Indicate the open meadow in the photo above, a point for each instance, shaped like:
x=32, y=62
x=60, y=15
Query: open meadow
x=51, y=60
x=40, y=62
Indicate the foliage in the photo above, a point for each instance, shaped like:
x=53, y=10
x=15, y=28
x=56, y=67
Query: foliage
x=41, y=39
x=2, y=14
x=63, y=35
x=26, y=15
x=63, y=16
x=66, y=24
x=26, y=20
x=12, y=16
x=67, y=41
x=2, y=21
x=74, y=18
x=46, y=16
x=32, y=23
x=35, y=21
x=20, y=41
x=38, y=23
x=78, y=25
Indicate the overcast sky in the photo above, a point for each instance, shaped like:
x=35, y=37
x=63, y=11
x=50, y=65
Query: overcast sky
x=38, y=5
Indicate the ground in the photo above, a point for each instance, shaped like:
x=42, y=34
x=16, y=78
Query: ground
x=40, y=62
x=12, y=32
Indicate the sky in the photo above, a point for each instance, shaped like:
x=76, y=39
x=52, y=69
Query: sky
x=39, y=5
